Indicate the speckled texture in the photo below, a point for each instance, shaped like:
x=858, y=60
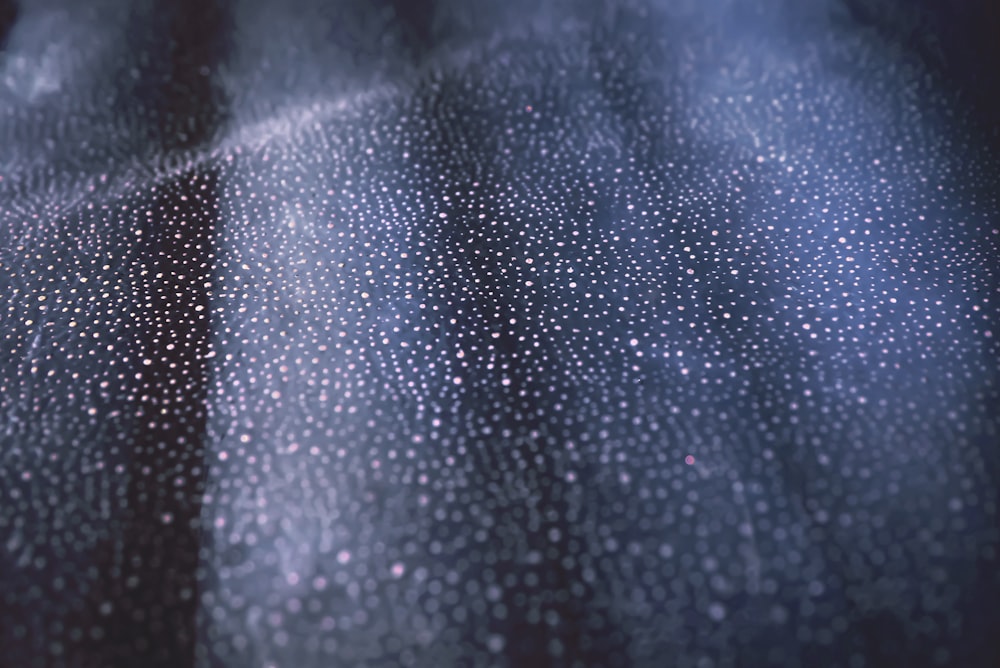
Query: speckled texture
x=440, y=334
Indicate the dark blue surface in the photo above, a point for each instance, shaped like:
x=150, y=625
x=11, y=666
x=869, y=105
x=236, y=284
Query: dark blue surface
x=475, y=334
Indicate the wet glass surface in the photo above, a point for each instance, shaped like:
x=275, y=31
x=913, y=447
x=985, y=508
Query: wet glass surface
x=451, y=334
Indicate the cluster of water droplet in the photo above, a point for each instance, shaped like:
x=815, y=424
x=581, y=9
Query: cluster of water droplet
x=602, y=346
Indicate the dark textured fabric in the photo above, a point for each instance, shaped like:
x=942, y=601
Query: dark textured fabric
x=499, y=334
